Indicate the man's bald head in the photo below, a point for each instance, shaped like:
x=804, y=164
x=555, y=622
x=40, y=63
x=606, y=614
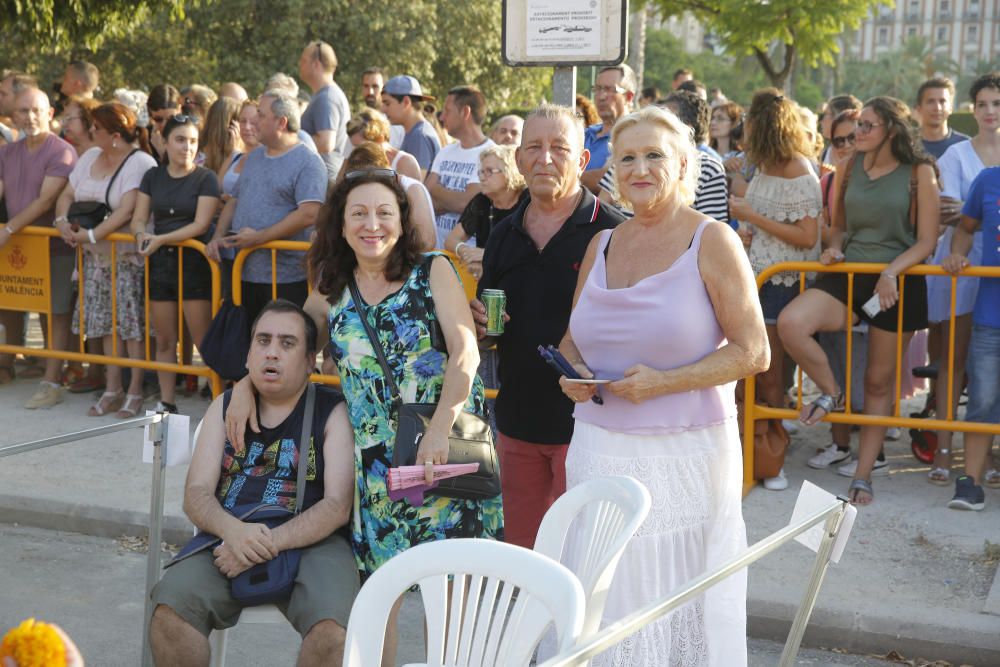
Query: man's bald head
x=233, y=91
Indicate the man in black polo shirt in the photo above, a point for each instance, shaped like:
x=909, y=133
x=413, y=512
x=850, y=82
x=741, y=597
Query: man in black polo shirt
x=534, y=256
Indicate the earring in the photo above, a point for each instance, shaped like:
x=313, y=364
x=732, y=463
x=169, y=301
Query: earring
x=114, y=143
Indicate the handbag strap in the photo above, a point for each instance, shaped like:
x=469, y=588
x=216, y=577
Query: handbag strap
x=359, y=305
x=107, y=193
x=307, y=424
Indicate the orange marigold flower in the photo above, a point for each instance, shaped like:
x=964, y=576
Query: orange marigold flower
x=34, y=644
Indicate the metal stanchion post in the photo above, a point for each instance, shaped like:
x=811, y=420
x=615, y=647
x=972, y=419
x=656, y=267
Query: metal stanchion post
x=831, y=529
x=158, y=434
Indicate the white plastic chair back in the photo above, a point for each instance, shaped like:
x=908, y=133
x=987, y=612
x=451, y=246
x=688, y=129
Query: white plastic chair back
x=265, y=613
x=607, y=512
x=503, y=598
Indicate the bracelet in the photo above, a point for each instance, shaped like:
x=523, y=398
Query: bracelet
x=890, y=276
x=61, y=218
x=459, y=245
x=90, y=235
x=7, y=229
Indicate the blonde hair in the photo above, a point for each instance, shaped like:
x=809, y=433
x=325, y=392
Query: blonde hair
x=505, y=155
x=372, y=124
x=680, y=138
x=217, y=142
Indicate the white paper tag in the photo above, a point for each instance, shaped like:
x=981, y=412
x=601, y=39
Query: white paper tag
x=178, y=443
x=811, y=500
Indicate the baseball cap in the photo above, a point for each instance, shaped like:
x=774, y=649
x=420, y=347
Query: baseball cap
x=405, y=85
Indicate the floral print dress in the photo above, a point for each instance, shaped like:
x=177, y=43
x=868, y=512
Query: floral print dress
x=403, y=320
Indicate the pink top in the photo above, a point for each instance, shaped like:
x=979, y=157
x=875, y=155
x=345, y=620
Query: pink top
x=664, y=321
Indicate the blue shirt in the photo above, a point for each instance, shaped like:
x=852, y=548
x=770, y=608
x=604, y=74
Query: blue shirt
x=422, y=143
x=599, y=147
x=329, y=110
x=937, y=148
x=983, y=204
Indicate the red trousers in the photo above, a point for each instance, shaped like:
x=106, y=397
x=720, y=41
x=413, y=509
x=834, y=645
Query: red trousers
x=532, y=476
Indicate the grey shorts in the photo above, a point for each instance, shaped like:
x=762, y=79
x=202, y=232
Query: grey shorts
x=61, y=271
x=325, y=589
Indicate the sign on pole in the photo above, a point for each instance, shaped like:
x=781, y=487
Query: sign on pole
x=564, y=33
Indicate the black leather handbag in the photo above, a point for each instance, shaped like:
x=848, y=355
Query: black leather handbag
x=470, y=440
x=89, y=214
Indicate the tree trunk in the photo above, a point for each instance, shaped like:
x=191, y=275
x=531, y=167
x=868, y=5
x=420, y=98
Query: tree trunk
x=778, y=78
x=636, y=57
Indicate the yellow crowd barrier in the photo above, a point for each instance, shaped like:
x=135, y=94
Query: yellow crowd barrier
x=753, y=411
x=82, y=356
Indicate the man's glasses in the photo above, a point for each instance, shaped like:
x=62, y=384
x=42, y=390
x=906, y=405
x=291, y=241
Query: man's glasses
x=486, y=173
x=840, y=142
x=611, y=90
x=864, y=127
x=377, y=172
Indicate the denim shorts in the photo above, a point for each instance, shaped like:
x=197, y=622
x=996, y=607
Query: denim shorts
x=983, y=369
x=774, y=298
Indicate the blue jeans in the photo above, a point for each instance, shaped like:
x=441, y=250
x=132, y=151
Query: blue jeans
x=983, y=369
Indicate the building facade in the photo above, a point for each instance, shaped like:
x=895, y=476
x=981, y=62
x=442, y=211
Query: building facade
x=966, y=31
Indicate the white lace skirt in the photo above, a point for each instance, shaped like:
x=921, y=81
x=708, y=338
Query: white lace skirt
x=695, y=523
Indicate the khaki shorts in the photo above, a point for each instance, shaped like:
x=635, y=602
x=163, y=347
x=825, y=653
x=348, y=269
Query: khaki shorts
x=325, y=589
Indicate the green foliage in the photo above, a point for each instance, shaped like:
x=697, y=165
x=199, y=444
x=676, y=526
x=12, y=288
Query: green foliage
x=67, y=23
x=442, y=43
x=897, y=73
x=808, y=30
x=737, y=77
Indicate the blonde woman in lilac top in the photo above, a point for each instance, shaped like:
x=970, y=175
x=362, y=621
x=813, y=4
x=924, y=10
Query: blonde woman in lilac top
x=666, y=306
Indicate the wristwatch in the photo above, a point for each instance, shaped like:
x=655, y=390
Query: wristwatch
x=61, y=218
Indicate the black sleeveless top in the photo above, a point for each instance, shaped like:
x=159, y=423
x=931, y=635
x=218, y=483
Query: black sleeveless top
x=266, y=470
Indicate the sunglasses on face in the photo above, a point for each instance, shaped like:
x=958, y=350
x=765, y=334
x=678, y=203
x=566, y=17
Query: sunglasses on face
x=840, y=142
x=380, y=172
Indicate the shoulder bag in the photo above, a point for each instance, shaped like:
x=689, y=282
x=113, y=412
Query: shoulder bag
x=470, y=440
x=89, y=214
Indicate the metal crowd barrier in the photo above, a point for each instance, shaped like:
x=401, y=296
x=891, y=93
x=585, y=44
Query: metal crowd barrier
x=753, y=411
x=832, y=518
x=158, y=434
x=112, y=357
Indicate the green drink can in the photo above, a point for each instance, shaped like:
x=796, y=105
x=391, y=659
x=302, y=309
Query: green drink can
x=496, y=302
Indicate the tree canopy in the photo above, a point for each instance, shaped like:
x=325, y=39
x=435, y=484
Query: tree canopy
x=807, y=30
x=213, y=41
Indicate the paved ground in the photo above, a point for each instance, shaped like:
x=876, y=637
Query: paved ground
x=916, y=578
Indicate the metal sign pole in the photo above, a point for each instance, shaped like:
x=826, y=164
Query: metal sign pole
x=158, y=434
x=564, y=86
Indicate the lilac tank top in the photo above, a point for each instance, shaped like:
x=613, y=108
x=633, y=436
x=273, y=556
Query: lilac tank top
x=664, y=321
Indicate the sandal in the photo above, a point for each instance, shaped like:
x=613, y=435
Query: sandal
x=101, y=408
x=941, y=474
x=992, y=478
x=827, y=403
x=860, y=486
x=132, y=406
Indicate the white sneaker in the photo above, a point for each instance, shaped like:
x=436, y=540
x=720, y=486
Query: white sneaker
x=828, y=456
x=881, y=469
x=893, y=433
x=46, y=396
x=779, y=483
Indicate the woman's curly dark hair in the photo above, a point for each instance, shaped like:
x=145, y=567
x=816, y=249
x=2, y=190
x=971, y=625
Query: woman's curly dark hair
x=331, y=260
x=901, y=132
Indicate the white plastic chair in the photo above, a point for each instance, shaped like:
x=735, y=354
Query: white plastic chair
x=486, y=626
x=607, y=512
x=265, y=613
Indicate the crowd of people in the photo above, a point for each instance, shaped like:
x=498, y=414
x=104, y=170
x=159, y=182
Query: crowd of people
x=600, y=224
